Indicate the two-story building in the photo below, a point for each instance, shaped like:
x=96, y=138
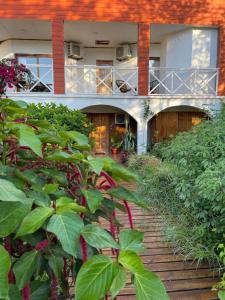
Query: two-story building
x=116, y=60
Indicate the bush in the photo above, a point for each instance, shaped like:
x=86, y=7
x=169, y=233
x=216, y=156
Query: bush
x=188, y=185
x=53, y=198
x=62, y=117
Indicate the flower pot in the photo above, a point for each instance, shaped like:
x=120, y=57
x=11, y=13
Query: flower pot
x=114, y=150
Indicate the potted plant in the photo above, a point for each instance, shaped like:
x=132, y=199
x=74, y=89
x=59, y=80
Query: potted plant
x=128, y=143
x=116, y=142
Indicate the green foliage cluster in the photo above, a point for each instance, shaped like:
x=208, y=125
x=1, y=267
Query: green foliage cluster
x=188, y=184
x=53, y=196
x=61, y=116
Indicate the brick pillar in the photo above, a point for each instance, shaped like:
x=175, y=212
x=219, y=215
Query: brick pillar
x=58, y=55
x=221, y=60
x=143, y=58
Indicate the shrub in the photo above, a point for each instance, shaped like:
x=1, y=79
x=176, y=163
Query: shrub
x=188, y=184
x=53, y=195
x=62, y=117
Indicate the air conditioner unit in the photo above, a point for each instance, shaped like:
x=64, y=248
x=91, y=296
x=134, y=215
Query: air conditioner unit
x=73, y=51
x=123, y=52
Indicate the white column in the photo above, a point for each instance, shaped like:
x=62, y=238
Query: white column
x=141, y=136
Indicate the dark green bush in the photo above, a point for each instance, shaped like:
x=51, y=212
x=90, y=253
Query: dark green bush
x=61, y=116
x=188, y=185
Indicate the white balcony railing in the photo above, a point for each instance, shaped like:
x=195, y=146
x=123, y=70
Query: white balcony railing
x=169, y=81
x=40, y=80
x=101, y=80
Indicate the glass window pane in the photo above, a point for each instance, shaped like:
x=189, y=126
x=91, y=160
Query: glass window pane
x=45, y=60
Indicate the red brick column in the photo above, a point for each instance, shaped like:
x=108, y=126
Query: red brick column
x=58, y=55
x=143, y=58
x=221, y=60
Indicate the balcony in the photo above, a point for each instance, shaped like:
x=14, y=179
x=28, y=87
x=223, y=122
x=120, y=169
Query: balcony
x=121, y=81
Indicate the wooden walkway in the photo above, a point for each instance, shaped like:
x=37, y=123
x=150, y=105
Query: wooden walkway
x=184, y=280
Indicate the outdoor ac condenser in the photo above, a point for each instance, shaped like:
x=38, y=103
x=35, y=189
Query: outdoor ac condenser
x=73, y=50
x=123, y=52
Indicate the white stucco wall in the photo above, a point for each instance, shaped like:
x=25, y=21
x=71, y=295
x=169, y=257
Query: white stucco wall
x=190, y=48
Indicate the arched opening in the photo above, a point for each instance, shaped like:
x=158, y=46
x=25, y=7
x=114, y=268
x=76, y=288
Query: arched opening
x=167, y=123
x=111, y=126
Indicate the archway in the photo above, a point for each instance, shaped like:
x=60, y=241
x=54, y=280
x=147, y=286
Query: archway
x=111, y=124
x=170, y=121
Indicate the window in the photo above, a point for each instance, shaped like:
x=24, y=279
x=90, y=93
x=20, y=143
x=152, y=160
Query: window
x=40, y=66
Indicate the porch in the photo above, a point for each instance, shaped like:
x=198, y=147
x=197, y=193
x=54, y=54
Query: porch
x=113, y=58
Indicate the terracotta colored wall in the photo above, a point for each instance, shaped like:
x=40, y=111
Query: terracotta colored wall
x=195, y=12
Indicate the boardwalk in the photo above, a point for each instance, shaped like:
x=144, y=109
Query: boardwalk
x=183, y=280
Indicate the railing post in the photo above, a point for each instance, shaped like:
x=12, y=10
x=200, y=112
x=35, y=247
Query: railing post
x=58, y=55
x=143, y=58
x=221, y=60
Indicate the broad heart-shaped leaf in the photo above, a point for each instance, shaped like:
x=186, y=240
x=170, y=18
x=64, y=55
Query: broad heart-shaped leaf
x=67, y=228
x=148, y=286
x=98, y=237
x=95, y=278
x=9, y=193
x=96, y=164
x=94, y=199
x=5, y=264
x=125, y=194
x=131, y=261
x=39, y=290
x=11, y=214
x=14, y=293
x=76, y=136
x=66, y=204
x=56, y=263
x=25, y=267
x=118, y=282
x=29, y=139
x=34, y=220
x=63, y=156
x=131, y=239
x=50, y=188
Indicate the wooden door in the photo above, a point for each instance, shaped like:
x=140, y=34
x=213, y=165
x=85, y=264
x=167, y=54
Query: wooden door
x=101, y=133
x=104, y=74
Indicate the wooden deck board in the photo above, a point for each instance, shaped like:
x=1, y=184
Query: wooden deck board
x=184, y=280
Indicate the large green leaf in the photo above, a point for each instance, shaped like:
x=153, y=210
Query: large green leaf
x=98, y=237
x=34, y=220
x=50, y=188
x=5, y=264
x=118, y=282
x=63, y=156
x=67, y=228
x=14, y=293
x=9, y=193
x=25, y=267
x=132, y=240
x=11, y=214
x=148, y=286
x=66, y=204
x=96, y=164
x=125, y=194
x=131, y=261
x=77, y=137
x=39, y=290
x=29, y=139
x=56, y=263
x=221, y=295
x=94, y=199
x=95, y=278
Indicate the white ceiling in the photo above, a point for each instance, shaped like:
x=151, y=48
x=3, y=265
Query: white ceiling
x=83, y=32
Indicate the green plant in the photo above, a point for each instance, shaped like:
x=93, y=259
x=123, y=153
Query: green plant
x=61, y=116
x=52, y=197
x=129, y=141
x=116, y=140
